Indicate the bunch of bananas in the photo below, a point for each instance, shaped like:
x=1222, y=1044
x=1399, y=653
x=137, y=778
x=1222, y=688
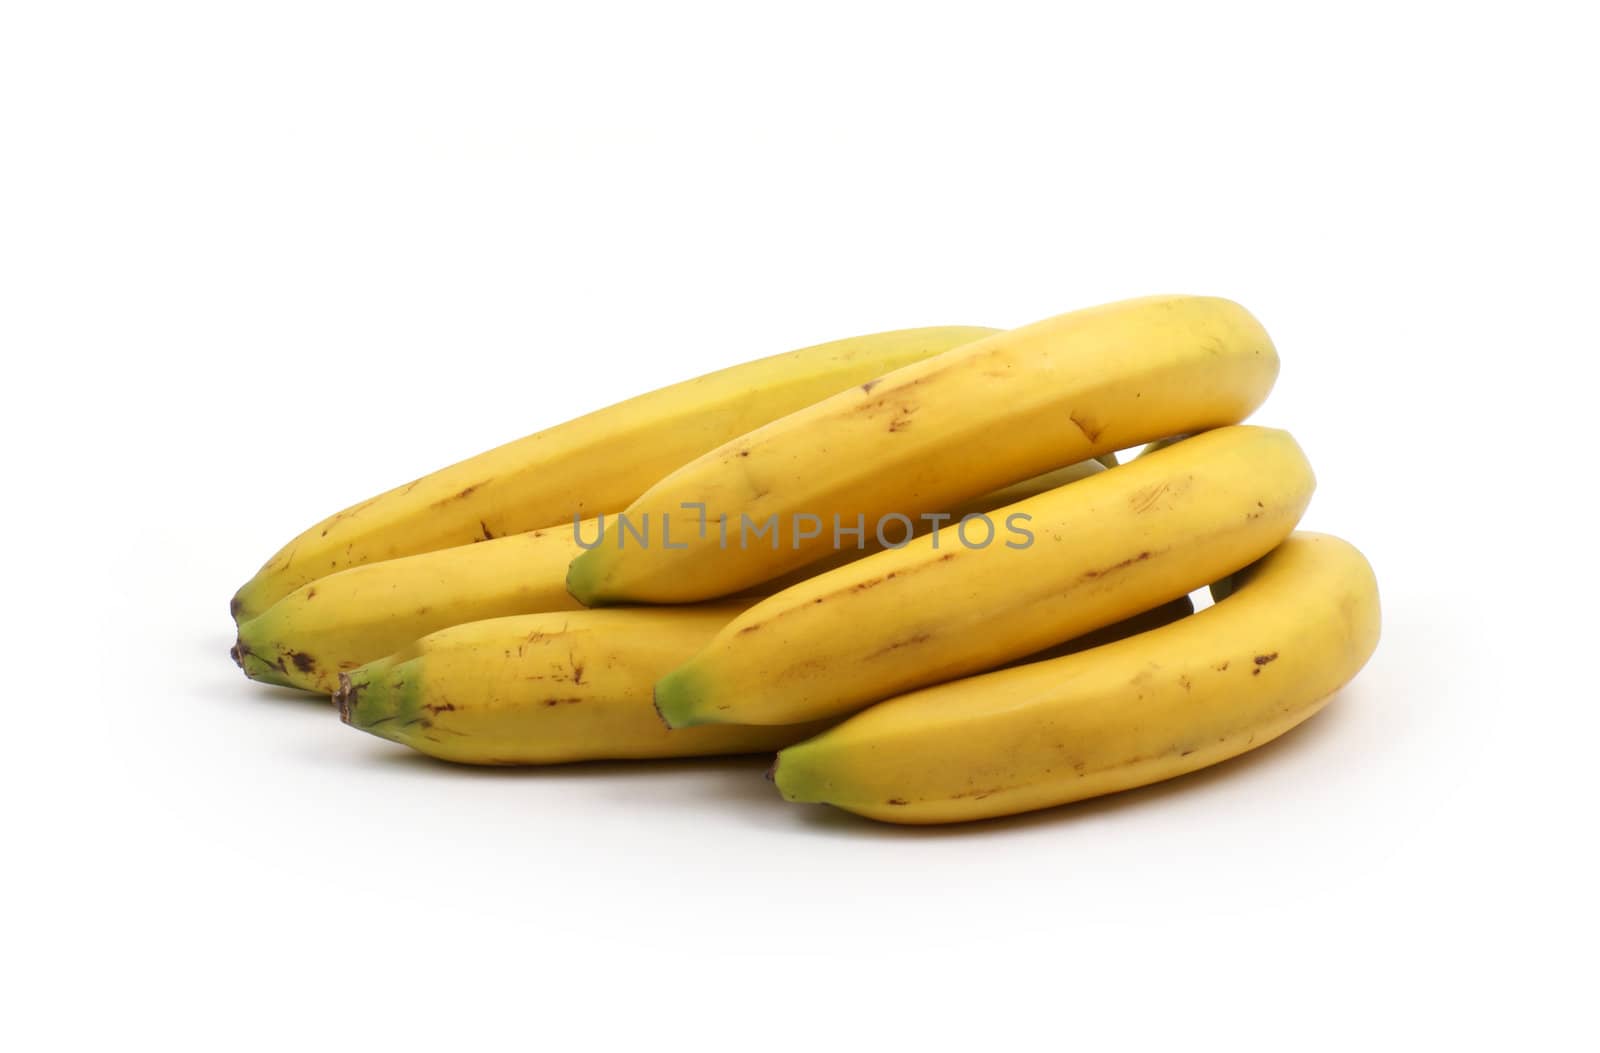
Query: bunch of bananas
x=911, y=563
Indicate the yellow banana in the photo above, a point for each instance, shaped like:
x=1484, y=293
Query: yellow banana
x=545, y=689
x=354, y=616
x=1102, y=548
x=977, y=506
x=596, y=463
x=929, y=436
x=1143, y=622
x=1299, y=625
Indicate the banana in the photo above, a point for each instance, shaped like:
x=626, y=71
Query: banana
x=929, y=436
x=1102, y=548
x=596, y=463
x=984, y=505
x=1301, y=623
x=546, y=689
x=354, y=616
x=1143, y=622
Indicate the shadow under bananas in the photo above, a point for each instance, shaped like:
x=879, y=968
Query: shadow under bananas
x=388, y=757
x=275, y=695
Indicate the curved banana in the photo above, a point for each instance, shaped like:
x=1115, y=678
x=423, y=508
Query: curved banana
x=545, y=689
x=353, y=616
x=929, y=436
x=1101, y=549
x=1301, y=624
x=596, y=463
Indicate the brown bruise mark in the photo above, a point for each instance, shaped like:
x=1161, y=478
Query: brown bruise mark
x=311, y=593
x=1222, y=668
x=868, y=408
x=897, y=801
x=488, y=535
x=1090, y=432
x=302, y=661
x=909, y=641
x=902, y=420
x=577, y=667
x=533, y=638
x=439, y=707
x=1090, y=575
x=570, y=700
x=1263, y=659
x=345, y=698
x=1144, y=500
x=866, y=389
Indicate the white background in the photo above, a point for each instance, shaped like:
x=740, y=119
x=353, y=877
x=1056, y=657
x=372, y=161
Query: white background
x=258, y=261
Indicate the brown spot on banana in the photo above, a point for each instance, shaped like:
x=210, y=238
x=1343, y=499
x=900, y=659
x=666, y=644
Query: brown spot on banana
x=1144, y=500
x=910, y=641
x=1090, y=575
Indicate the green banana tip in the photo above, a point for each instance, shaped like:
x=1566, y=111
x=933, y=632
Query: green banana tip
x=257, y=668
x=586, y=581
x=675, y=700
x=791, y=781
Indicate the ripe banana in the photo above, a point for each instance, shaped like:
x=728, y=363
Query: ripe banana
x=354, y=616
x=1103, y=548
x=929, y=436
x=596, y=463
x=1299, y=625
x=545, y=689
